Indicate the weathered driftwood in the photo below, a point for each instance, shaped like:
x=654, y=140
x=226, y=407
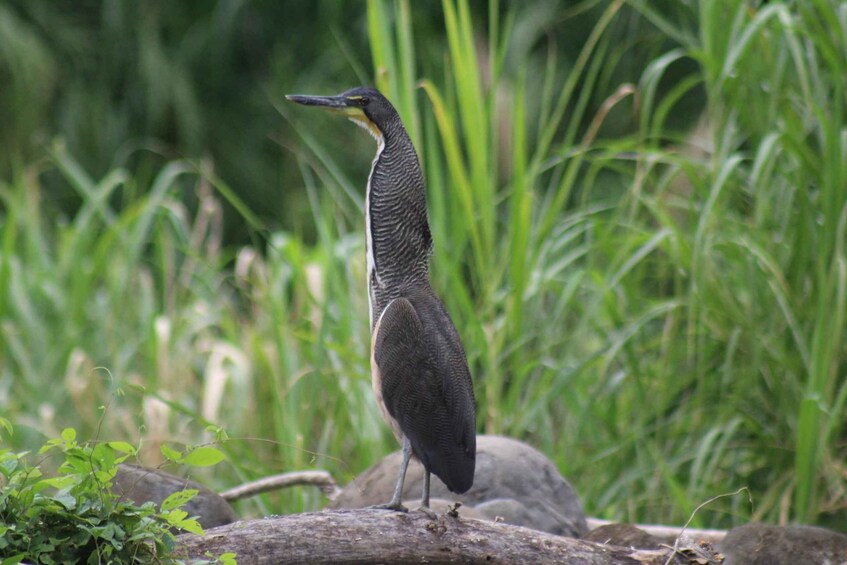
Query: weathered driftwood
x=320, y=479
x=380, y=536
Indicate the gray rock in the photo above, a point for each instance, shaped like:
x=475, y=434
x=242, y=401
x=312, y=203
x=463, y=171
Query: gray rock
x=507, y=510
x=141, y=485
x=758, y=544
x=513, y=481
x=624, y=535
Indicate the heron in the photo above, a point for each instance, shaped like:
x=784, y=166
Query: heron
x=419, y=369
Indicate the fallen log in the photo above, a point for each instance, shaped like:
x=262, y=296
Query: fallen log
x=381, y=536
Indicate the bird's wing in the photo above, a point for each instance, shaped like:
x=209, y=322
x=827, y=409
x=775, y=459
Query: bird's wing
x=413, y=383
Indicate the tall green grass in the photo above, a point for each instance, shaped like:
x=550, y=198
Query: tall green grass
x=661, y=312
x=637, y=300
x=131, y=321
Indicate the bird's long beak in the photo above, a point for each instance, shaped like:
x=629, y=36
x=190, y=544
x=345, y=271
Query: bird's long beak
x=342, y=105
x=339, y=103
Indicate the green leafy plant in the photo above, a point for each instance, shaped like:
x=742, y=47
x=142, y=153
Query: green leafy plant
x=74, y=517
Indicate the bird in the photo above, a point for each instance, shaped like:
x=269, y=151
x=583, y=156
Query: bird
x=419, y=369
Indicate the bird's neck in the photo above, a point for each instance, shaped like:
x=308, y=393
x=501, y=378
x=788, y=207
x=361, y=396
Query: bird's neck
x=399, y=242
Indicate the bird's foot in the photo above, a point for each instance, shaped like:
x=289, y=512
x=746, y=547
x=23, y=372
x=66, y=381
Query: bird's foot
x=394, y=506
x=430, y=513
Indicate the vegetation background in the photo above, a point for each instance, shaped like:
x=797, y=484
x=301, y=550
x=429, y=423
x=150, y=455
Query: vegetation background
x=639, y=210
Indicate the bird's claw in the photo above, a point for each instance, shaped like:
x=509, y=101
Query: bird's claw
x=428, y=511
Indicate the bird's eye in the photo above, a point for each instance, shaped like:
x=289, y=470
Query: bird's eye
x=364, y=101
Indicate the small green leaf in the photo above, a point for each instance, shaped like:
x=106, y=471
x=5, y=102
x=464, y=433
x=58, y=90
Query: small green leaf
x=171, y=454
x=104, y=455
x=69, y=435
x=49, y=445
x=34, y=473
x=192, y=526
x=177, y=499
x=106, y=532
x=7, y=425
x=204, y=456
x=60, y=482
x=65, y=499
x=8, y=465
x=123, y=447
x=220, y=433
x=175, y=516
x=107, y=475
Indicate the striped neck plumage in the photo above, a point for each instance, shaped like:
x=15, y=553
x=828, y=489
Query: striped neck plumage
x=399, y=241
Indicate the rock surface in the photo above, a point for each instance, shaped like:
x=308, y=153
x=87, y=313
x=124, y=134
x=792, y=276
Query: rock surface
x=141, y=485
x=514, y=482
x=625, y=535
x=758, y=544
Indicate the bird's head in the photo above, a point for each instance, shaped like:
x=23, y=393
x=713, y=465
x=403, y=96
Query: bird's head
x=363, y=105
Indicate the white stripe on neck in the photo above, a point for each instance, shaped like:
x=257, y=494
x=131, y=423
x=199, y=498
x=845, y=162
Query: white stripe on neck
x=369, y=236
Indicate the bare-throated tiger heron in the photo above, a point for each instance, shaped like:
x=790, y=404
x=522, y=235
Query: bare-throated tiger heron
x=418, y=365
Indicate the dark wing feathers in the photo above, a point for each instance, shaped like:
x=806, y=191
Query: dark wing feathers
x=426, y=386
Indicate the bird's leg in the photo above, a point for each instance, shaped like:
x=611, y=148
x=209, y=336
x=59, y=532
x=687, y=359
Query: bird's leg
x=425, y=492
x=396, y=503
x=424, y=507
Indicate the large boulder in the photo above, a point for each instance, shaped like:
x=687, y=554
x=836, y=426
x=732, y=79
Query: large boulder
x=758, y=544
x=141, y=485
x=514, y=483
